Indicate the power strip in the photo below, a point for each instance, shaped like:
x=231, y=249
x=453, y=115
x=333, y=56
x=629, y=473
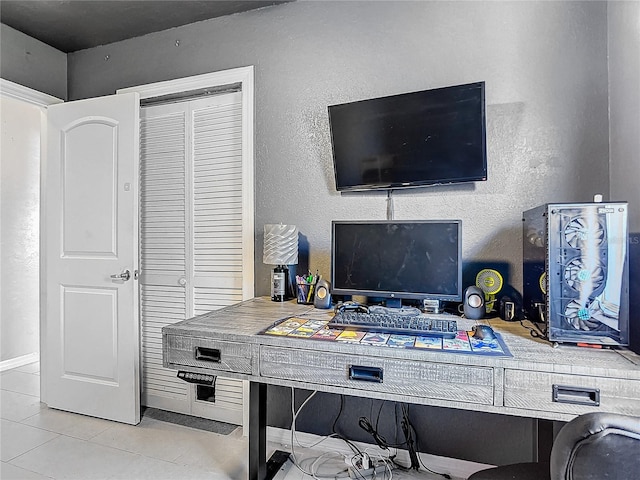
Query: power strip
x=455, y=467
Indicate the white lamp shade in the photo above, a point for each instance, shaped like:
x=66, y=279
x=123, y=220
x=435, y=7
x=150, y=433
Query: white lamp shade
x=280, y=245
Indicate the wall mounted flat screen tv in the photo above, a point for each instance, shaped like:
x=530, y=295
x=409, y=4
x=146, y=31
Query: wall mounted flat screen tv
x=431, y=137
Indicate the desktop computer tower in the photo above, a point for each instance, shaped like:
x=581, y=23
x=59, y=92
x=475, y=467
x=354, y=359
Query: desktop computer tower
x=576, y=271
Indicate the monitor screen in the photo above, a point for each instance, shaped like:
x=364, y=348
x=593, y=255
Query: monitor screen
x=409, y=140
x=397, y=259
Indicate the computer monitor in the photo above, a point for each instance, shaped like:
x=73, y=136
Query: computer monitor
x=395, y=260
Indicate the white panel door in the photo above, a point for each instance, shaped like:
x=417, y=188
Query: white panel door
x=91, y=357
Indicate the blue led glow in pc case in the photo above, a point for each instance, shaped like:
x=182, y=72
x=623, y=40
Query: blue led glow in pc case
x=576, y=271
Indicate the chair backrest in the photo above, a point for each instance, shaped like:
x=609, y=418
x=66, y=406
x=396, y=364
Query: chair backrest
x=595, y=446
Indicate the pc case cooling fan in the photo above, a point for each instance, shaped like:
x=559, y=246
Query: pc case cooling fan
x=490, y=282
x=587, y=281
x=581, y=231
x=579, y=316
x=582, y=277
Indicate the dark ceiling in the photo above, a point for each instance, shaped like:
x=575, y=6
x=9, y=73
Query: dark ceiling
x=78, y=24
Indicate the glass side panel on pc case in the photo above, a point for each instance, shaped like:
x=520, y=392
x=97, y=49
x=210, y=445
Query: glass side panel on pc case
x=580, y=253
x=397, y=259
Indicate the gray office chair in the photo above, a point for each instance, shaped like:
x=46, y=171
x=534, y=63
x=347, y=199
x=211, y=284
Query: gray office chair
x=593, y=446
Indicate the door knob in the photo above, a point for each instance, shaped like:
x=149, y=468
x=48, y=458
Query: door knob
x=125, y=275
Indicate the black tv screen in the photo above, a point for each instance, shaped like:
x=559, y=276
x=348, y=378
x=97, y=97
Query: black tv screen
x=414, y=139
x=396, y=259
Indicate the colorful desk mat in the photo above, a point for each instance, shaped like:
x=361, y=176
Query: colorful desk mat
x=300, y=327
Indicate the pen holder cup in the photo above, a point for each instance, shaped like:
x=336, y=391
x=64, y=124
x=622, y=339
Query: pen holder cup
x=304, y=293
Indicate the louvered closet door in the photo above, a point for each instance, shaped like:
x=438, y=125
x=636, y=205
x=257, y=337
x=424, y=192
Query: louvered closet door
x=217, y=236
x=191, y=237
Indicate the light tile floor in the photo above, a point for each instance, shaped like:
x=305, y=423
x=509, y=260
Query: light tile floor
x=42, y=443
x=38, y=442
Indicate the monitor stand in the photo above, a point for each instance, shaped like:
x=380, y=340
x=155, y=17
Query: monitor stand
x=394, y=306
x=393, y=303
x=431, y=306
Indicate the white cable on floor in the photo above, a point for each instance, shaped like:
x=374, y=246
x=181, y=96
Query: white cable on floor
x=315, y=465
x=313, y=472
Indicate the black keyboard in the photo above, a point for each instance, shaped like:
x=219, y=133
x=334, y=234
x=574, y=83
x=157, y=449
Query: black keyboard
x=396, y=324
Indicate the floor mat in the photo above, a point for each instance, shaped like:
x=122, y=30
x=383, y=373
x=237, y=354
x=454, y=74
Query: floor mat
x=189, y=421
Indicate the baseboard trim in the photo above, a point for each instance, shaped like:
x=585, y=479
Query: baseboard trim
x=455, y=467
x=19, y=361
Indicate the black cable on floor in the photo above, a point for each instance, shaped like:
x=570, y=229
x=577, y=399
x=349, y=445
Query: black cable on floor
x=416, y=463
x=354, y=448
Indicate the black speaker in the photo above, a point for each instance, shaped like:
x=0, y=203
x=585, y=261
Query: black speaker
x=474, y=307
x=322, y=297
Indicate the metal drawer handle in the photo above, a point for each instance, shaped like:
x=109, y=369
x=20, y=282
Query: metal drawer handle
x=208, y=354
x=576, y=395
x=365, y=374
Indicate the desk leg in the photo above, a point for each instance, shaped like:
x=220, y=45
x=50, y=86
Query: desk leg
x=257, y=431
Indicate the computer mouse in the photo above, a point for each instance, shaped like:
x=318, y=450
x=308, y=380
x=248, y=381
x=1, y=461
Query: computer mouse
x=483, y=332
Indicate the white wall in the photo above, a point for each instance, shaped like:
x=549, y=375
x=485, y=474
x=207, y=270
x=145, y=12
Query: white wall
x=19, y=228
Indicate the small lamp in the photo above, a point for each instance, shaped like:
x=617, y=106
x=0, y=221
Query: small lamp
x=280, y=249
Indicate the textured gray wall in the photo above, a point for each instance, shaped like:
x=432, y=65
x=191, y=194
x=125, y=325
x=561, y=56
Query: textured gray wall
x=545, y=68
x=624, y=105
x=31, y=63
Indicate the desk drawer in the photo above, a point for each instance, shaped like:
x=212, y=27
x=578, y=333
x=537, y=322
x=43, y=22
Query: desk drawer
x=210, y=354
x=445, y=381
x=575, y=394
